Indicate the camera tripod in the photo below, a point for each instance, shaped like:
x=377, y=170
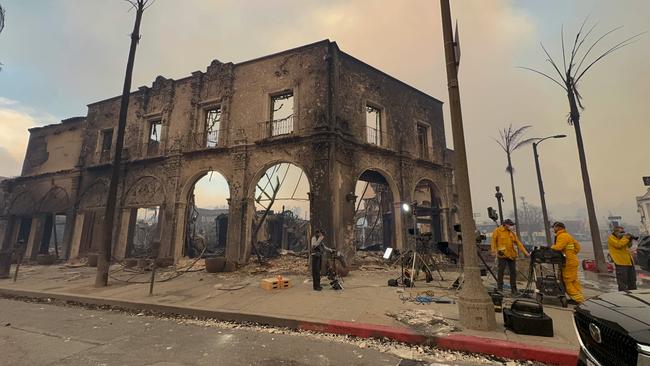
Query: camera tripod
x=417, y=262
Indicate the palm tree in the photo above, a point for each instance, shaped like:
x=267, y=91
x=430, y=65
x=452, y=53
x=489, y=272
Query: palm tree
x=570, y=74
x=511, y=139
x=101, y=280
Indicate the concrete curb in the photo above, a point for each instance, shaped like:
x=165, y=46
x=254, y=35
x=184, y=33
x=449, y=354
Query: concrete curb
x=458, y=342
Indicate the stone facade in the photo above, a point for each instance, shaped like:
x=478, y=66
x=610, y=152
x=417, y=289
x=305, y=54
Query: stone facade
x=67, y=165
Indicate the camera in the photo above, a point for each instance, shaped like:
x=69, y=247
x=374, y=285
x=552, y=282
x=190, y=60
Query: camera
x=632, y=236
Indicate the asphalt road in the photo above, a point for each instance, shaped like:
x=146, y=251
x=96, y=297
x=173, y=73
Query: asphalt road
x=45, y=334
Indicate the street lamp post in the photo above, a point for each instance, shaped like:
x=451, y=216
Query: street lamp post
x=540, y=183
x=475, y=306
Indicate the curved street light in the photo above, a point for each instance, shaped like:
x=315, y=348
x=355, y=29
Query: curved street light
x=547, y=228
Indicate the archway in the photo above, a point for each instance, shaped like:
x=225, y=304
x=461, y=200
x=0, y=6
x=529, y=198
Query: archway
x=208, y=212
x=54, y=206
x=428, y=213
x=282, y=210
x=374, y=215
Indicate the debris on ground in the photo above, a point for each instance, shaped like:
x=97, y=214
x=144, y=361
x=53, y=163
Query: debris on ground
x=424, y=321
x=231, y=286
x=291, y=263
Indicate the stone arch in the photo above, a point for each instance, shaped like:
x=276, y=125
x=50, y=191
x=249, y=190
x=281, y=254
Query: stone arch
x=190, y=182
x=251, y=209
x=56, y=200
x=94, y=195
x=252, y=184
x=394, y=188
x=147, y=190
x=439, y=198
x=199, y=221
x=390, y=231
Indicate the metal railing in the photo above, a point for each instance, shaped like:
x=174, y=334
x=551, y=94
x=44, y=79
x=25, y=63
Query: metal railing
x=374, y=136
x=281, y=126
x=206, y=139
x=278, y=127
x=105, y=156
x=153, y=148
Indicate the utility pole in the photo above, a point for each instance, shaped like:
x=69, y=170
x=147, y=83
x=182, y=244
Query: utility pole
x=474, y=304
x=104, y=262
x=540, y=183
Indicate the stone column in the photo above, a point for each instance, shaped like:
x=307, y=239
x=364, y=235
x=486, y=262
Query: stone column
x=444, y=223
x=75, y=241
x=119, y=250
x=35, y=236
x=178, y=234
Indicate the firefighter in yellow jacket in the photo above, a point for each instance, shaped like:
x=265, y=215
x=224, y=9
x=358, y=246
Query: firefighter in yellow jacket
x=570, y=247
x=619, y=244
x=504, y=247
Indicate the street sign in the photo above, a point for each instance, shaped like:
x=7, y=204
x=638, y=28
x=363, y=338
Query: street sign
x=646, y=181
x=612, y=218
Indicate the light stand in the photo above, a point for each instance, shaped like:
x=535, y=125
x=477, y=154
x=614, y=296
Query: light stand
x=499, y=197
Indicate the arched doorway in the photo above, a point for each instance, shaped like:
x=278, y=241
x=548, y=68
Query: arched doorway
x=428, y=213
x=208, y=212
x=374, y=217
x=282, y=211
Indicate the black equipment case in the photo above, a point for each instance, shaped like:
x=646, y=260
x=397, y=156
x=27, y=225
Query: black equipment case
x=527, y=317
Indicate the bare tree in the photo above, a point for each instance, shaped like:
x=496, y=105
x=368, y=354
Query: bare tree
x=2, y=18
x=106, y=249
x=511, y=139
x=576, y=62
x=2, y=23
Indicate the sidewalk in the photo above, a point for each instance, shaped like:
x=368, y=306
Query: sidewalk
x=361, y=309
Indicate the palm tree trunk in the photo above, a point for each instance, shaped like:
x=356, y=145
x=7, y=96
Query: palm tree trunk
x=591, y=211
x=514, y=195
x=103, y=265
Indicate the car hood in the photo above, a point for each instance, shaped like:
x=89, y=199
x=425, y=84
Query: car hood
x=628, y=311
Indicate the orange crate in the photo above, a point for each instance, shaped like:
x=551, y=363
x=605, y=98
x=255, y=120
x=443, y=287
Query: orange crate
x=275, y=283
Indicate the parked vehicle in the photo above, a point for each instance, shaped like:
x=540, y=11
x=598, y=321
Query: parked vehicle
x=643, y=253
x=614, y=329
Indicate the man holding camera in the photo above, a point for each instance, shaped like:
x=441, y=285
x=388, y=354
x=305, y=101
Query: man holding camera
x=570, y=248
x=504, y=247
x=619, y=244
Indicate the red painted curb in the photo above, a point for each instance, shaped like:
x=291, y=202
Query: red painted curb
x=464, y=343
x=364, y=331
x=507, y=349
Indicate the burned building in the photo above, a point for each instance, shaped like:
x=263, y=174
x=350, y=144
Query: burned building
x=338, y=119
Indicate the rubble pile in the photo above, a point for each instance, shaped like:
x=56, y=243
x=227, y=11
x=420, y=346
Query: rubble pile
x=370, y=261
x=287, y=262
x=424, y=321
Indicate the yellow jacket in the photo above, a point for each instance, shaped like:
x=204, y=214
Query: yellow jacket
x=619, y=250
x=566, y=244
x=504, y=240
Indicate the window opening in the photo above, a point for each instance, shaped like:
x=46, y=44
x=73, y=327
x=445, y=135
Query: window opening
x=107, y=142
x=212, y=127
x=423, y=141
x=373, y=125
x=282, y=114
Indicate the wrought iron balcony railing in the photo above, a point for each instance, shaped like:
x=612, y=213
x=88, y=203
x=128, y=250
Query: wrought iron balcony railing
x=206, y=140
x=277, y=127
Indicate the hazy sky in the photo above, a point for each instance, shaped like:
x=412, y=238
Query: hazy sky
x=60, y=55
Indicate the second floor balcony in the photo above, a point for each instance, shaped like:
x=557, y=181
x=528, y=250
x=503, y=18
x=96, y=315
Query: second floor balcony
x=206, y=140
x=276, y=128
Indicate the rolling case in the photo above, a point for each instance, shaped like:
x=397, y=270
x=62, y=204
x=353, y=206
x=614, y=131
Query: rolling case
x=527, y=317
